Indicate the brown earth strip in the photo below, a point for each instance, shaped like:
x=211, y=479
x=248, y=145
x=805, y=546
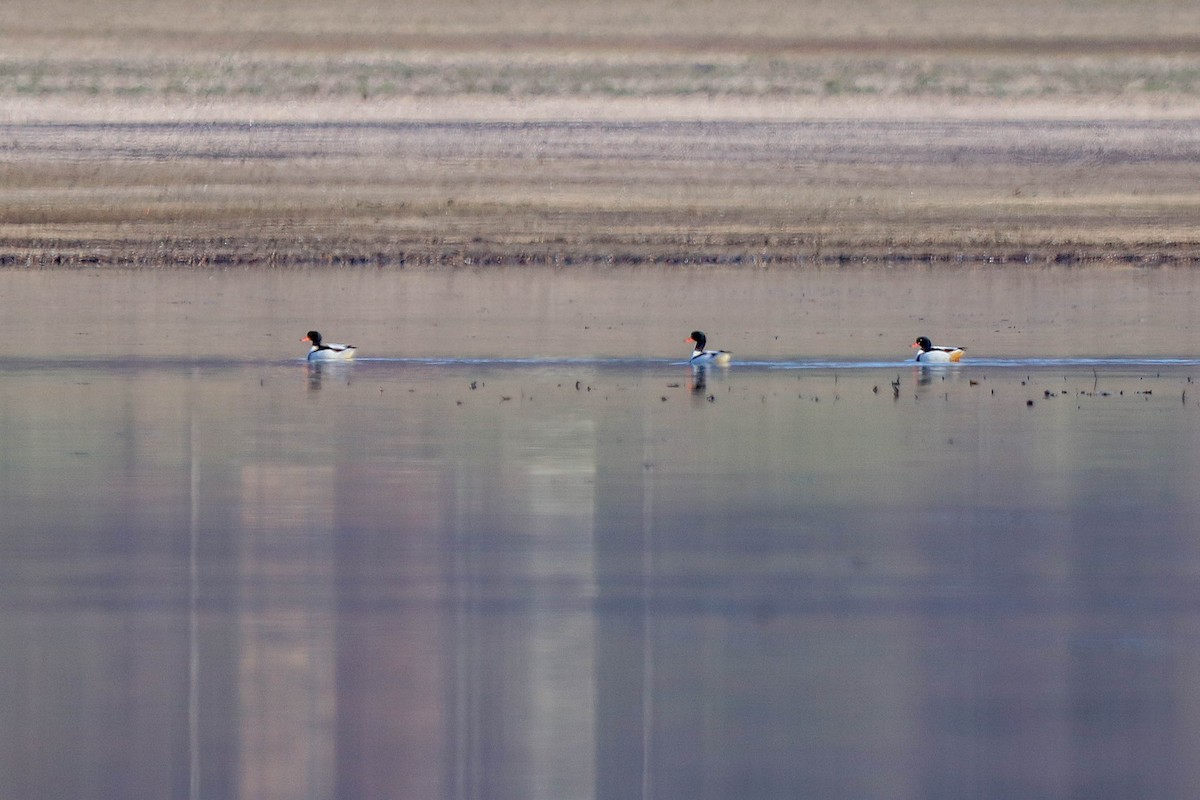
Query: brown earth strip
x=291, y=132
x=596, y=192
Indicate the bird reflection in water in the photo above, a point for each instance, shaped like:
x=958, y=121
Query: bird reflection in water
x=925, y=374
x=319, y=371
x=699, y=387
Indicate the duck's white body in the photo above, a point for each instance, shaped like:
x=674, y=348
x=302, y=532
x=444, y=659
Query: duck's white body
x=327, y=351
x=704, y=357
x=932, y=354
x=701, y=357
x=331, y=352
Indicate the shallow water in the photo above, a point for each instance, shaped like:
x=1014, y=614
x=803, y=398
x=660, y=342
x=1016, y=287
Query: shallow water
x=477, y=564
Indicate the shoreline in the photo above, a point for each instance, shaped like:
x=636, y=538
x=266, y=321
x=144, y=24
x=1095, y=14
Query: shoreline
x=210, y=256
x=73, y=110
x=767, y=193
x=761, y=134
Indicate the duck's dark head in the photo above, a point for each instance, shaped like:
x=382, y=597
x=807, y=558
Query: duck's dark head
x=923, y=343
x=699, y=338
x=313, y=337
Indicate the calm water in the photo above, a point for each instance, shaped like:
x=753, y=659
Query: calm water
x=453, y=570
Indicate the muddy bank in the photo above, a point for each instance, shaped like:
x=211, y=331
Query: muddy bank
x=544, y=132
x=790, y=192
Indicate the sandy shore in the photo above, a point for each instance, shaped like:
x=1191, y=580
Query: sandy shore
x=724, y=189
x=546, y=134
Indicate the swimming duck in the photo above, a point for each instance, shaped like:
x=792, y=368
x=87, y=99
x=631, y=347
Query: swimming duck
x=936, y=355
x=327, y=352
x=700, y=356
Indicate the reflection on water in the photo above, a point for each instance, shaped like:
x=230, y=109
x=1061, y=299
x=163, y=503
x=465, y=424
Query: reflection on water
x=597, y=579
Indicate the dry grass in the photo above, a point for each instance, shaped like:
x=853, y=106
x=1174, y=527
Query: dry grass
x=756, y=132
x=167, y=25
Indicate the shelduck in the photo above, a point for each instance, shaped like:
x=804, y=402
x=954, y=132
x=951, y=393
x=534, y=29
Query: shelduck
x=700, y=356
x=321, y=351
x=931, y=354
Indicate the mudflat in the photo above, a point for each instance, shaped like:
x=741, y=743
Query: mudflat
x=548, y=132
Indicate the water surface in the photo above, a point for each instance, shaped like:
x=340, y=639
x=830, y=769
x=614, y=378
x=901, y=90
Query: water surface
x=466, y=566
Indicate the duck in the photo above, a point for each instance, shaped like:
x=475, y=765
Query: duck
x=931, y=354
x=327, y=351
x=701, y=357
